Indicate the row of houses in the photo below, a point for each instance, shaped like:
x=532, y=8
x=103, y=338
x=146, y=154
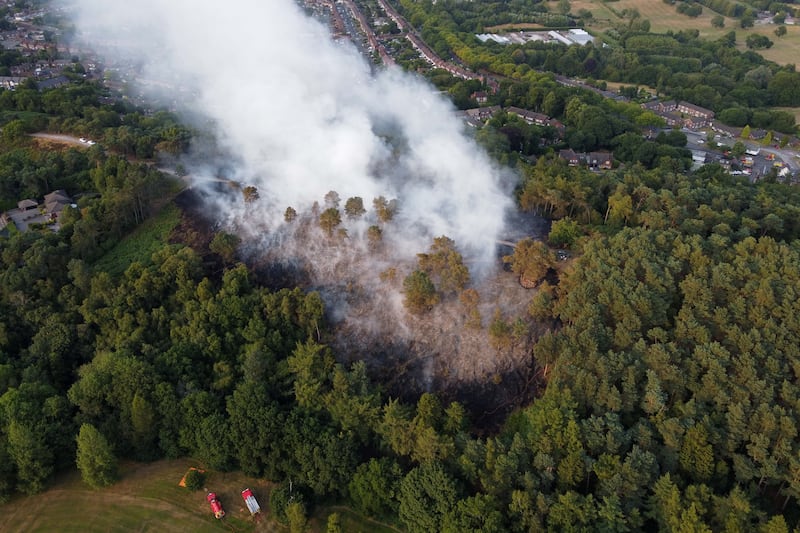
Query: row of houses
x=480, y=115
x=681, y=113
x=539, y=119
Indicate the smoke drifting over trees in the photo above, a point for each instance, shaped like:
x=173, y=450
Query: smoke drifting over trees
x=355, y=173
x=302, y=115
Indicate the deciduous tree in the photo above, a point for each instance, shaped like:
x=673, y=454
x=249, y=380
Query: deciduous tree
x=95, y=458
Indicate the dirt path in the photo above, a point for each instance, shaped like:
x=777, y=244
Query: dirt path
x=59, y=138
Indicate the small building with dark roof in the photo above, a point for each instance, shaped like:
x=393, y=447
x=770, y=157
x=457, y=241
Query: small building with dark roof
x=27, y=204
x=52, y=83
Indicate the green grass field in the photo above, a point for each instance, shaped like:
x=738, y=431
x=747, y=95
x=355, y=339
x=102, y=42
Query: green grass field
x=140, y=245
x=664, y=17
x=147, y=498
x=786, y=49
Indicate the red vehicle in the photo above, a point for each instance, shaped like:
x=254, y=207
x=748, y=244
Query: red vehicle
x=216, y=507
x=250, y=501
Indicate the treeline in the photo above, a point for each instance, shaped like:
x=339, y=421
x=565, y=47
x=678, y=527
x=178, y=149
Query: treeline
x=475, y=16
x=705, y=203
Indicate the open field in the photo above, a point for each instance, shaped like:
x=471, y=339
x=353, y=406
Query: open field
x=602, y=15
x=785, y=50
x=147, y=498
x=615, y=86
x=664, y=17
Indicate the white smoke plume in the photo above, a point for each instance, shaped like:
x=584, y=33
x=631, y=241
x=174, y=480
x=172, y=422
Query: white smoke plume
x=303, y=115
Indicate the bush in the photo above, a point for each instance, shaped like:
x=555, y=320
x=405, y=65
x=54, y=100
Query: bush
x=564, y=233
x=758, y=42
x=195, y=479
x=279, y=500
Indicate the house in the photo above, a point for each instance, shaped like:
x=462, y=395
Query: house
x=671, y=119
x=538, y=119
x=728, y=131
x=480, y=96
x=27, y=205
x=694, y=110
x=530, y=117
x=11, y=82
x=695, y=123
x=52, y=83
x=482, y=113
x=56, y=201
x=660, y=107
x=570, y=157
x=681, y=113
x=594, y=160
x=600, y=160
x=28, y=212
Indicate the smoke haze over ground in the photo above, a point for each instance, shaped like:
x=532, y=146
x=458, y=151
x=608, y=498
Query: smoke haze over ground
x=298, y=115
x=303, y=115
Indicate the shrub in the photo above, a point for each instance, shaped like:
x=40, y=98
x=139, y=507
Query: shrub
x=195, y=479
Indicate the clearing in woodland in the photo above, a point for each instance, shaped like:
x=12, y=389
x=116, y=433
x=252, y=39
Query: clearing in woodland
x=148, y=498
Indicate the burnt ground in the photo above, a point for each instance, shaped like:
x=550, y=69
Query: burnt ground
x=196, y=230
x=440, y=351
x=407, y=355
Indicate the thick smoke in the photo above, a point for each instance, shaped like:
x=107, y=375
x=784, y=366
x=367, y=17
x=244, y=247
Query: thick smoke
x=302, y=115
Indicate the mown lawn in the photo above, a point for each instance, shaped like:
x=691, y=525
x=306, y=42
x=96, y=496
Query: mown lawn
x=785, y=49
x=140, y=245
x=147, y=498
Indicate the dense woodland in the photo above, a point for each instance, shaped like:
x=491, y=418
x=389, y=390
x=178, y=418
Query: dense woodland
x=671, y=360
